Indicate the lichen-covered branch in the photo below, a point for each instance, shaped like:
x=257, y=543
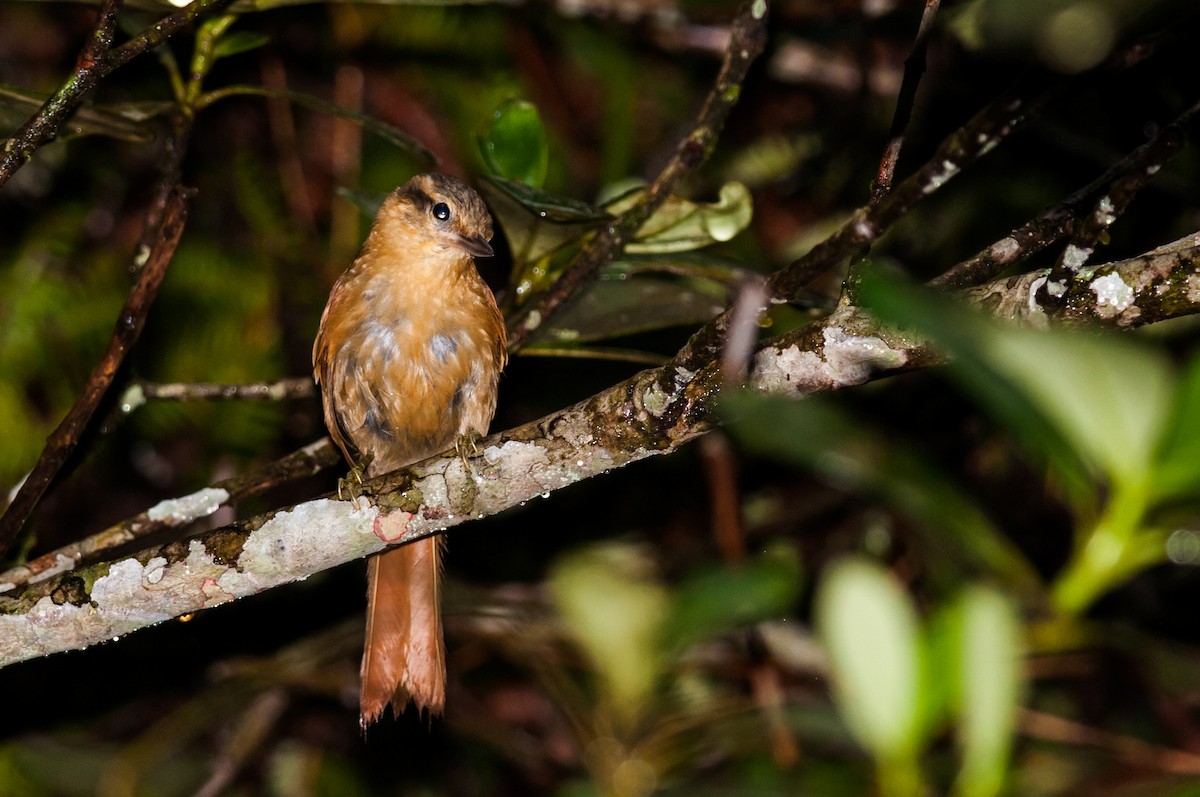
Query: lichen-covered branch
x=1117, y=186
x=173, y=513
x=625, y=423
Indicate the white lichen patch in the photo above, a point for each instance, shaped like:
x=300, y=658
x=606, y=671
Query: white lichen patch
x=1056, y=288
x=1034, y=287
x=851, y=359
x=1005, y=249
x=789, y=371
x=155, y=569
x=1193, y=288
x=1105, y=212
x=201, y=503
x=936, y=180
x=1075, y=256
x=308, y=538
x=656, y=400
x=1113, y=295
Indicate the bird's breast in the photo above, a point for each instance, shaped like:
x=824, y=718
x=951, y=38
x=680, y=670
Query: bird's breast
x=412, y=373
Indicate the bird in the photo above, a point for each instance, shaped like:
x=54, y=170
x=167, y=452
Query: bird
x=407, y=359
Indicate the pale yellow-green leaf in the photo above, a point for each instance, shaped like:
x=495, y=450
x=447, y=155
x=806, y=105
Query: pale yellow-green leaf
x=613, y=606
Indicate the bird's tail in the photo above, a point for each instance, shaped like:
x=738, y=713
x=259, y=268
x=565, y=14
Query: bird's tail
x=404, y=657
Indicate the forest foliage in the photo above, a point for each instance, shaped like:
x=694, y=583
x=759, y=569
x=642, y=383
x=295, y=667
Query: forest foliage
x=974, y=576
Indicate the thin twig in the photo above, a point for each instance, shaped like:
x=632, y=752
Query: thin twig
x=1041, y=725
x=747, y=41
x=140, y=391
x=963, y=147
x=914, y=68
x=42, y=127
x=129, y=327
x=1057, y=221
x=1091, y=228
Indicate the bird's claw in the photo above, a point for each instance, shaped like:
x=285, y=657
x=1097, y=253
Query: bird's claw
x=350, y=485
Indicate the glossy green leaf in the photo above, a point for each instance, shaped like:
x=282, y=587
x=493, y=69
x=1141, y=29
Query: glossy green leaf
x=514, y=144
x=679, y=225
x=870, y=631
x=724, y=598
x=537, y=224
x=614, y=607
x=240, y=41
x=612, y=308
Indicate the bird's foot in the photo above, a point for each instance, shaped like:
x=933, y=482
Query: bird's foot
x=350, y=486
x=467, y=447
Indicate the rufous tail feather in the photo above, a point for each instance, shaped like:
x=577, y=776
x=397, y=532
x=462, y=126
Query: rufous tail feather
x=403, y=658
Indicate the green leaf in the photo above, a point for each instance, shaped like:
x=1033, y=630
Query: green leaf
x=121, y=121
x=614, y=606
x=367, y=203
x=986, y=673
x=870, y=631
x=537, y=224
x=240, y=41
x=724, y=598
x=679, y=225
x=614, y=308
x=1105, y=397
x=816, y=434
x=514, y=145
x=1177, y=463
x=383, y=130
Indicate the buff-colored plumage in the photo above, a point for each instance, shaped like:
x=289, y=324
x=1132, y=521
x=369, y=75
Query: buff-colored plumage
x=407, y=357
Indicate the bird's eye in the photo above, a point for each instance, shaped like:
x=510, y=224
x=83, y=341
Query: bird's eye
x=441, y=211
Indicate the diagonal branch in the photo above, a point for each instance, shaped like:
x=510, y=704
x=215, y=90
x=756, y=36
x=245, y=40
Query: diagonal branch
x=914, y=68
x=623, y=424
x=96, y=62
x=1123, y=178
x=748, y=38
x=132, y=318
x=177, y=513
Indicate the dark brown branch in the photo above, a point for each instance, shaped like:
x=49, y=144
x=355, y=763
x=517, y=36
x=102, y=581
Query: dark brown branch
x=914, y=68
x=1090, y=229
x=963, y=147
x=97, y=47
x=132, y=318
x=747, y=41
x=95, y=63
x=1123, y=178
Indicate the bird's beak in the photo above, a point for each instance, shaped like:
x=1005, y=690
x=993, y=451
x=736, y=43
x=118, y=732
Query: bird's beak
x=475, y=245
